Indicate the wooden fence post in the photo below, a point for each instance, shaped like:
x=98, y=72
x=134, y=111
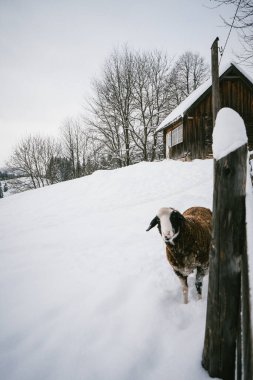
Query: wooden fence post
x=215, y=79
x=228, y=247
x=245, y=337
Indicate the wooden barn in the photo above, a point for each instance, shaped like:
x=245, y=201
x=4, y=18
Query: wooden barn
x=188, y=128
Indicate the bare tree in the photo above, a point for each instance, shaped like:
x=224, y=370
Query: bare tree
x=111, y=106
x=242, y=21
x=31, y=159
x=94, y=153
x=128, y=103
x=152, y=101
x=74, y=142
x=105, y=128
x=189, y=71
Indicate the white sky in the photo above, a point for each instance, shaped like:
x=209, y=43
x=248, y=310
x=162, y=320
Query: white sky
x=50, y=50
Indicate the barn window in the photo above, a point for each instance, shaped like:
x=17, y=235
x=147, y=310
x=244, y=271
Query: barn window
x=176, y=136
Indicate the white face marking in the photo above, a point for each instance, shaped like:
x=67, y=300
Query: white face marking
x=168, y=232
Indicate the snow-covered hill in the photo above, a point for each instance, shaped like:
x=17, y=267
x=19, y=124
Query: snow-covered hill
x=85, y=292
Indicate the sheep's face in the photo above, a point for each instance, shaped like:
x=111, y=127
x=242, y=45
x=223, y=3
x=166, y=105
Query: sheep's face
x=168, y=230
x=169, y=222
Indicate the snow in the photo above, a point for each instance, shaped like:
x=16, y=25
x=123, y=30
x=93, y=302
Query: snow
x=181, y=109
x=86, y=292
x=229, y=133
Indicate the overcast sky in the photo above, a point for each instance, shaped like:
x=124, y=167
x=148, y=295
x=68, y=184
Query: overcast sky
x=51, y=50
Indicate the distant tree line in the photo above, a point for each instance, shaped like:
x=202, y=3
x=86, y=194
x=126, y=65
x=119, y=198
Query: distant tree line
x=3, y=189
x=135, y=92
x=4, y=175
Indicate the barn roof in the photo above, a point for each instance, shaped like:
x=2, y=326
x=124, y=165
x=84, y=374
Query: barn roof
x=184, y=106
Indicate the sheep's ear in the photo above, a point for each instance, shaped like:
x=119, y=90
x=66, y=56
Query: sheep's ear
x=153, y=223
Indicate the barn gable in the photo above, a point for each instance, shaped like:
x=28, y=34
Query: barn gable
x=188, y=128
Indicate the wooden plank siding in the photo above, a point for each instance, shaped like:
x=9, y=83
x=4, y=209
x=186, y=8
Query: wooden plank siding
x=236, y=92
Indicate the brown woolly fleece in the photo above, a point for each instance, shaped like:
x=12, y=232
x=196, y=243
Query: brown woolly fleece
x=191, y=249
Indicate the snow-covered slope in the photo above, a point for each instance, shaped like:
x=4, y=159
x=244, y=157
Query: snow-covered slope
x=86, y=292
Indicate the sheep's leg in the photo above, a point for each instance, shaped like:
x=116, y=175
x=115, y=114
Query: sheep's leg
x=199, y=280
x=184, y=285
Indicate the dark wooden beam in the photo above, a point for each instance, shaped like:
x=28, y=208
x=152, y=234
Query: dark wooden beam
x=215, y=79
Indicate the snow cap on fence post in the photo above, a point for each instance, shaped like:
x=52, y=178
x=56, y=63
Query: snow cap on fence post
x=229, y=133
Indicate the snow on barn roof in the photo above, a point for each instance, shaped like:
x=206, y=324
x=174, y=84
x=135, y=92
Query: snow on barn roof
x=181, y=109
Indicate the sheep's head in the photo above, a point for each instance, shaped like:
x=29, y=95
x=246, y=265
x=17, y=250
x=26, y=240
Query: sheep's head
x=169, y=222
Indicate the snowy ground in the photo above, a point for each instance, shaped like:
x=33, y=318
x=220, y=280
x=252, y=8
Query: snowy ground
x=85, y=292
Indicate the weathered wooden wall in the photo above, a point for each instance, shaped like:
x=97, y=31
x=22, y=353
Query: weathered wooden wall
x=236, y=93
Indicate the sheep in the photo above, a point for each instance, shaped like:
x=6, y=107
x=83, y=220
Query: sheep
x=188, y=238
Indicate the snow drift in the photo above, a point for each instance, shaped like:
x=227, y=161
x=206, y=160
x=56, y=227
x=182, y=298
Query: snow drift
x=85, y=292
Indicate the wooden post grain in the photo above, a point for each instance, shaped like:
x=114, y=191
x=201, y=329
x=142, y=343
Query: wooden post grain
x=245, y=336
x=215, y=79
x=228, y=246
